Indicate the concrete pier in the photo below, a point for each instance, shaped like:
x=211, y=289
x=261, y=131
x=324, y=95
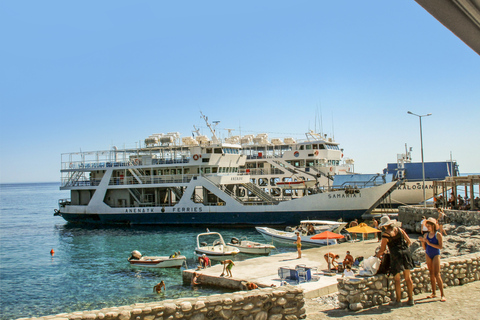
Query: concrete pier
x=264, y=270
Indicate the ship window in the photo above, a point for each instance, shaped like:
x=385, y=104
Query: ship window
x=322, y=146
x=214, y=170
x=209, y=150
x=301, y=147
x=262, y=181
x=315, y=146
x=218, y=150
x=308, y=147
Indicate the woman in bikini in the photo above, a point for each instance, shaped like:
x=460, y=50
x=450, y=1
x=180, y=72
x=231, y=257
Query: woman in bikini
x=432, y=242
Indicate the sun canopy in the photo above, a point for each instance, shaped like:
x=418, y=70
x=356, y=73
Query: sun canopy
x=362, y=228
x=327, y=235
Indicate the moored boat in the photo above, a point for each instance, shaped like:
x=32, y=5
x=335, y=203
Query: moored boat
x=289, y=238
x=251, y=247
x=137, y=260
x=217, y=249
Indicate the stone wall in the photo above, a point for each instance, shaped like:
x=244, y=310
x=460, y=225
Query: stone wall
x=364, y=292
x=270, y=303
x=410, y=217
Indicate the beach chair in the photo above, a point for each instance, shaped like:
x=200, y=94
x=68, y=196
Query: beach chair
x=314, y=274
x=302, y=273
x=284, y=273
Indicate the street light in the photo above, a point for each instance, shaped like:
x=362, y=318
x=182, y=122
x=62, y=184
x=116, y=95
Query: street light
x=421, y=146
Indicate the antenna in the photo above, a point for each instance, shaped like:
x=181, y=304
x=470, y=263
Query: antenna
x=333, y=128
x=212, y=129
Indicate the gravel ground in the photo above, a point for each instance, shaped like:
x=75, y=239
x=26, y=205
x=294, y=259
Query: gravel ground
x=463, y=302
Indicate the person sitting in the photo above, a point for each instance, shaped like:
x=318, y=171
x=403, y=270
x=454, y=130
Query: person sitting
x=201, y=263
x=251, y=286
x=451, y=201
x=460, y=202
x=331, y=259
x=311, y=230
x=206, y=261
x=347, y=272
x=348, y=261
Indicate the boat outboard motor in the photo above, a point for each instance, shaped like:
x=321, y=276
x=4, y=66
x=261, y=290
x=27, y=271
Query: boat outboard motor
x=234, y=240
x=135, y=255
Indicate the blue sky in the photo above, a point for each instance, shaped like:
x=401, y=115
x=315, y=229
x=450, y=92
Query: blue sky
x=88, y=75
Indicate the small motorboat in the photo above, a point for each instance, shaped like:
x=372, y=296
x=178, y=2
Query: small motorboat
x=174, y=261
x=251, y=247
x=289, y=237
x=217, y=250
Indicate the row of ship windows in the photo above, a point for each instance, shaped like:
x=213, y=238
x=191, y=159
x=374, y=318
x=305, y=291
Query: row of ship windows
x=318, y=146
x=225, y=150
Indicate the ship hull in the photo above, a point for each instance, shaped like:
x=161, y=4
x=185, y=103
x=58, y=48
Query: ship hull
x=238, y=219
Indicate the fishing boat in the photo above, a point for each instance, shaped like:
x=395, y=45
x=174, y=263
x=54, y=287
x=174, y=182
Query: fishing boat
x=251, y=247
x=136, y=259
x=200, y=181
x=217, y=249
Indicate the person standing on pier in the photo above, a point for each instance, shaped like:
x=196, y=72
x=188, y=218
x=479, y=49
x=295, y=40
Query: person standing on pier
x=299, y=244
x=432, y=242
x=400, y=257
x=352, y=224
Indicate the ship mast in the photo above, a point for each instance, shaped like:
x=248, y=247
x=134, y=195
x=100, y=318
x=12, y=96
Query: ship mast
x=212, y=128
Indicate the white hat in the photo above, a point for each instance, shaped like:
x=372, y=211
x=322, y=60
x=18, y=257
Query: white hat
x=386, y=221
x=204, y=255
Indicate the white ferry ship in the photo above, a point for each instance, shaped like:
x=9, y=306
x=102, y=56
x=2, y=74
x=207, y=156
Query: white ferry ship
x=201, y=181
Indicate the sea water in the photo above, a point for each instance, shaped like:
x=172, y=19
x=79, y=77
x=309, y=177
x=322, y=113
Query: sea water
x=89, y=269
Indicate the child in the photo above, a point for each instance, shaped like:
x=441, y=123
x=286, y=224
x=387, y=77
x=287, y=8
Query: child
x=227, y=265
x=348, y=272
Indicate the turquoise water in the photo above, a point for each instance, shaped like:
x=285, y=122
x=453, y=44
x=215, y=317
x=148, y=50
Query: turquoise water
x=89, y=269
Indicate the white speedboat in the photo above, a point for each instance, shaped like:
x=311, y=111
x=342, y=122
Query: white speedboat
x=137, y=260
x=217, y=250
x=319, y=226
x=289, y=237
x=251, y=247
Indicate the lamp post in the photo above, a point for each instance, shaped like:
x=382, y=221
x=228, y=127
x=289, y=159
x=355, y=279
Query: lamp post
x=421, y=147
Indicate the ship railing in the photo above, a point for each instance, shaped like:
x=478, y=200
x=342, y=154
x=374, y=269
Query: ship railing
x=69, y=182
x=359, y=184
x=151, y=179
x=115, y=164
x=261, y=171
